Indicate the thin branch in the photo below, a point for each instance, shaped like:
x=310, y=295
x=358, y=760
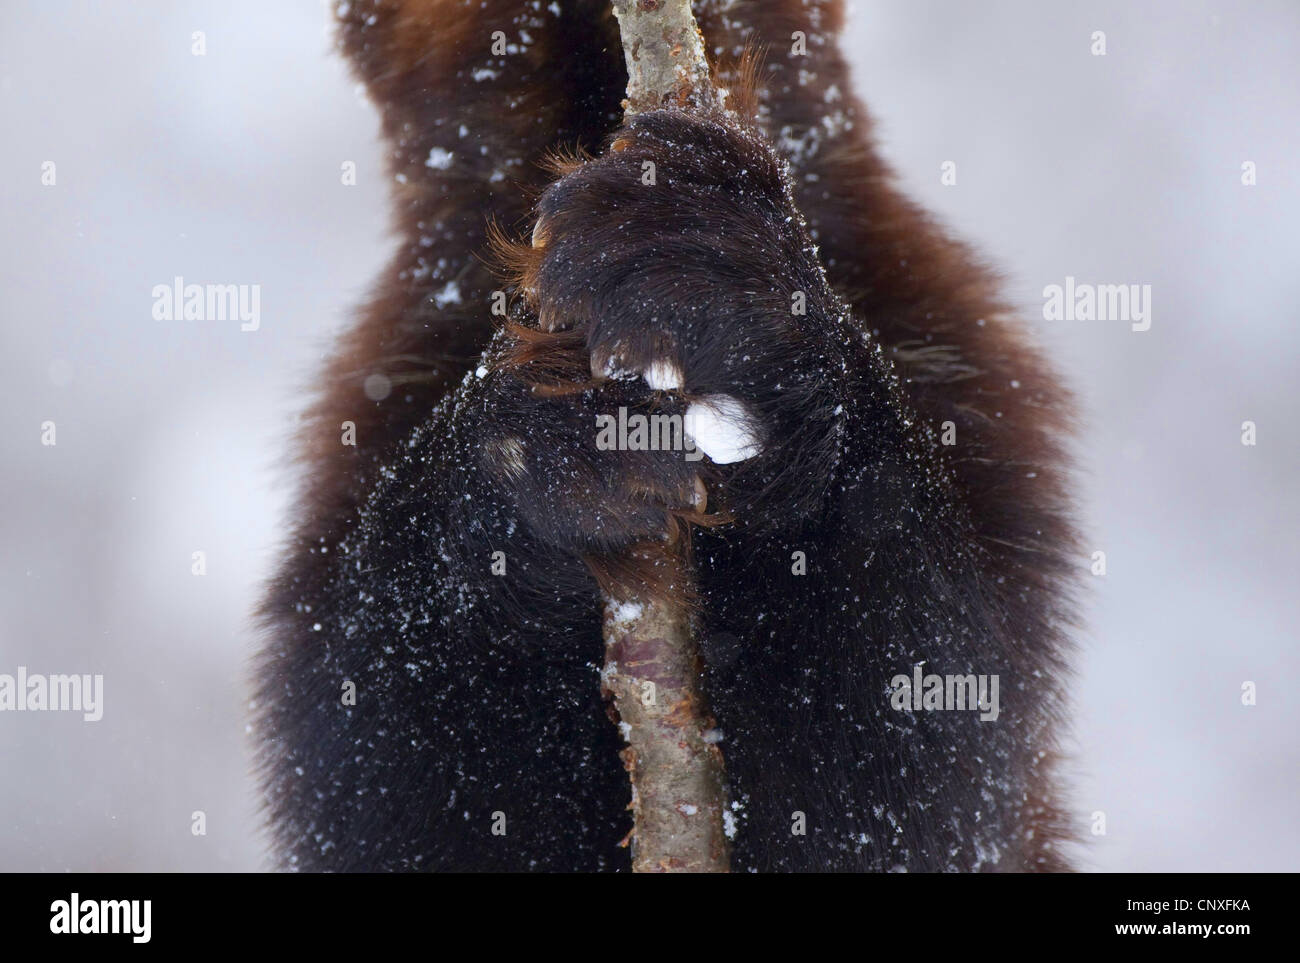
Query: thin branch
x=665, y=56
x=652, y=672
x=652, y=665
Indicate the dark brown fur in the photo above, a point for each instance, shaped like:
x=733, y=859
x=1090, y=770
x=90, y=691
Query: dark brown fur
x=975, y=536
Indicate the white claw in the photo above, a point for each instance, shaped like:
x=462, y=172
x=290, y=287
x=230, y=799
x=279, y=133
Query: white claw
x=701, y=496
x=722, y=428
x=663, y=376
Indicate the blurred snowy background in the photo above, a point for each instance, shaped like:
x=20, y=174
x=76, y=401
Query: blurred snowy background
x=1117, y=169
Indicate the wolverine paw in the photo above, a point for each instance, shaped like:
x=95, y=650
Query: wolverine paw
x=593, y=471
x=678, y=260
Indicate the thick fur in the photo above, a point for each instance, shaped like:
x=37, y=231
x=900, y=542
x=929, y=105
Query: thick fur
x=477, y=693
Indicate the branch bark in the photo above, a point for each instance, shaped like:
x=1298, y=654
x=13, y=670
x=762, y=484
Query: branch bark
x=652, y=665
x=652, y=672
x=664, y=51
